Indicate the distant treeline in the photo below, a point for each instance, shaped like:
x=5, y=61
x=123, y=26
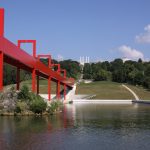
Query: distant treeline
x=136, y=73
x=72, y=68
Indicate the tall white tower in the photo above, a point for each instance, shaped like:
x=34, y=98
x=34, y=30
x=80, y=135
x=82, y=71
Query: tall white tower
x=84, y=59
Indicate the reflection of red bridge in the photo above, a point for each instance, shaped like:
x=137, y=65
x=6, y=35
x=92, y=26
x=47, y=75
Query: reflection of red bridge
x=14, y=55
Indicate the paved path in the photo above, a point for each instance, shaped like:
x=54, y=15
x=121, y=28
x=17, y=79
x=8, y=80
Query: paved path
x=131, y=91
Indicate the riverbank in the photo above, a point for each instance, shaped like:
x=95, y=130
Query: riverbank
x=102, y=101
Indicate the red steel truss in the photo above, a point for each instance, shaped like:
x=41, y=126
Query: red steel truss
x=15, y=56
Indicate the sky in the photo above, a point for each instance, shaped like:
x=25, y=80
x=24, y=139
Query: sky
x=100, y=29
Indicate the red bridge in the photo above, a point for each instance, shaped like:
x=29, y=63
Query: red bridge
x=15, y=56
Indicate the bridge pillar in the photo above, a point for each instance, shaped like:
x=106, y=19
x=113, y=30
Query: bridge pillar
x=37, y=84
x=18, y=78
x=65, y=88
x=1, y=71
x=49, y=88
x=33, y=80
x=1, y=21
x=58, y=90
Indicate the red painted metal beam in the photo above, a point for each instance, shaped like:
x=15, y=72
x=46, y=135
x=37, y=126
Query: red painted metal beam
x=14, y=55
x=58, y=90
x=65, y=88
x=37, y=84
x=33, y=80
x=1, y=22
x=33, y=42
x=1, y=70
x=18, y=78
x=45, y=56
x=65, y=91
x=58, y=67
x=49, y=88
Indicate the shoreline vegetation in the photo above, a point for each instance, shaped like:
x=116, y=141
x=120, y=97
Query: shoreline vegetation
x=26, y=103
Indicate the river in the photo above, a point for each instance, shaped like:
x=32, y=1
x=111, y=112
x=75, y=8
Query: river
x=80, y=127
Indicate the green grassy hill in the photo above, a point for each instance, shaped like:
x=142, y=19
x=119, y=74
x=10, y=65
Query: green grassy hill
x=43, y=86
x=111, y=90
x=102, y=90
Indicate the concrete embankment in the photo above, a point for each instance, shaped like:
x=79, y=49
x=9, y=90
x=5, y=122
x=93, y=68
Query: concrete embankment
x=102, y=101
x=141, y=101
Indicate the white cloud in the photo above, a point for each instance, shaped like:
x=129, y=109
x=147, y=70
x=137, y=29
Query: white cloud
x=130, y=53
x=144, y=37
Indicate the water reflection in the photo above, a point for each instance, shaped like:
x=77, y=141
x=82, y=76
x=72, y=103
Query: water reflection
x=80, y=126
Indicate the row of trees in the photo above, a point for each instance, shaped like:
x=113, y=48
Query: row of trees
x=72, y=68
x=137, y=73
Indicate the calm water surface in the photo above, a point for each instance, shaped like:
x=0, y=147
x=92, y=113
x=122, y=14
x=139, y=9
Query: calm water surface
x=80, y=127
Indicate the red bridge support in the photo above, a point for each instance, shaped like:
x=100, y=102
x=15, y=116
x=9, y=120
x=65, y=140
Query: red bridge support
x=58, y=90
x=1, y=22
x=49, y=78
x=18, y=78
x=46, y=56
x=37, y=84
x=65, y=88
x=1, y=53
x=33, y=80
x=33, y=42
x=15, y=56
x=49, y=88
x=58, y=82
x=1, y=70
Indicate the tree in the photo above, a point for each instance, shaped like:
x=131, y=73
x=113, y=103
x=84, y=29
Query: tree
x=117, y=68
x=87, y=71
x=102, y=75
x=147, y=70
x=146, y=82
x=139, y=78
x=72, y=67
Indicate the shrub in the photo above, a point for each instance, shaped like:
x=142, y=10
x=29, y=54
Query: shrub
x=17, y=109
x=1, y=96
x=21, y=107
x=37, y=104
x=55, y=105
x=24, y=93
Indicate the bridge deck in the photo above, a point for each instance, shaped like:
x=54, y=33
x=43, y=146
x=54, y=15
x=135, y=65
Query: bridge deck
x=19, y=58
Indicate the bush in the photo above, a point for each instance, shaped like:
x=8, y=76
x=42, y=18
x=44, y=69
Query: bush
x=1, y=96
x=17, y=109
x=55, y=105
x=21, y=107
x=24, y=93
x=37, y=104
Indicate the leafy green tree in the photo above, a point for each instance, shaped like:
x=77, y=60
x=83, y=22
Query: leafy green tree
x=102, y=75
x=146, y=82
x=139, y=78
x=72, y=67
x=147, y=70
x=87, y=71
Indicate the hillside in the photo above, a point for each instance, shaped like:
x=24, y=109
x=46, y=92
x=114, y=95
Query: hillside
x=111, y=90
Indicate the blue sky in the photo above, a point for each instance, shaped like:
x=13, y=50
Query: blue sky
x=100, y=29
